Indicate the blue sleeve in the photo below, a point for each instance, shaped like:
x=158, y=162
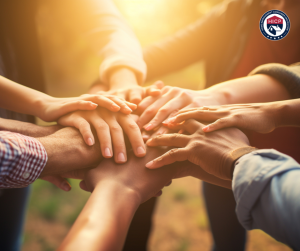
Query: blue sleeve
x=266, y=187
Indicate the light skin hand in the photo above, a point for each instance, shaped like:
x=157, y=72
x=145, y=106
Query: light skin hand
x=109, y=128
x=211, y=151
x=32, y=102
x=154, y=110
x=259, y=117
x=118, y=190
x=253, y=89
x=123, y=83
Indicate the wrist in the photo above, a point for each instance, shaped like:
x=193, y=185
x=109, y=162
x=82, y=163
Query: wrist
x=118, y=190
x=120, y=78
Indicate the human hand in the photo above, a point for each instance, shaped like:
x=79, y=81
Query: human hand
x=136, y=93
x=52, y=108
x=154, y=110
x=260, y=117
x=213, y=152
x=132, y=176
x=109, y=127
x=67, y=151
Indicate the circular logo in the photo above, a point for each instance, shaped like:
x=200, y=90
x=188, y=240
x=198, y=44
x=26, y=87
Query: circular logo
x=274, y=25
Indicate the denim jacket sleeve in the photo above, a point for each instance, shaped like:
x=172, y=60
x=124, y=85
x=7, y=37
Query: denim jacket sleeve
x=266, y=187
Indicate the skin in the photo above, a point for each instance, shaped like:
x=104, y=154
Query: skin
x=105, y=219
x=48, y=108
x=253, y=89
x=210, y=151
x=109, y=126
x=259, y=117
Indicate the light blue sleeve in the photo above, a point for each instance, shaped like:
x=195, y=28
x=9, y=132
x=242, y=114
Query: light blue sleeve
x=266, y=187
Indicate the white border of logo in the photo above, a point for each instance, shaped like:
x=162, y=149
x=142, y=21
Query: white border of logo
x=285, y=28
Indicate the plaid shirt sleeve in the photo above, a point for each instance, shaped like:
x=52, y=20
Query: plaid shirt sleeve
x=22, y=159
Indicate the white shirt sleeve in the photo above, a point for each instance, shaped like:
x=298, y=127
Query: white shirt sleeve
x=110, y=36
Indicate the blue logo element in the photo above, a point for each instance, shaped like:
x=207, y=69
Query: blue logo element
x=274, y=25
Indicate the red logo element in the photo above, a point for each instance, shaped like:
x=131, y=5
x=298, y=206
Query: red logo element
x=274, y=20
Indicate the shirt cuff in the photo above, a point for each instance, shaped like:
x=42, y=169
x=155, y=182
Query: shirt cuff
x=252, y=174
x=22, y=160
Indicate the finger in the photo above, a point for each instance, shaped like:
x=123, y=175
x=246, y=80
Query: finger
x=174, y=139
x=221, y=123
x=176, y=154
x=134, y=135
x=58, y=181
x=131, y=105
x=158, y=194
x=160, y=131
x=166, y=110
x=105, y=102
x=75, y=105
x=83, y=186
x=145, y=135
x=136, y=95
x=151, y=91
x=150, y=112
x=146, y=102
x=191, y=126
x=117, y=136
x=103, y=133
x=169, y=183
x=85, y=129
x=124, y=108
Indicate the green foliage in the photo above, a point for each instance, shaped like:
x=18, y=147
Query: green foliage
x=183, y=245
x=180, y=195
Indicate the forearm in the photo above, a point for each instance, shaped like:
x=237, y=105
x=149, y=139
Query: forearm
x=268, y=179
x=253, y=89
x=103, y=223
x=119, y=78
x=18, y=98
x=122, y=77
x=287, y=112
x=26, y=128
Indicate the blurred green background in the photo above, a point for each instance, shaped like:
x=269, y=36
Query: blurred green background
x=180, y=222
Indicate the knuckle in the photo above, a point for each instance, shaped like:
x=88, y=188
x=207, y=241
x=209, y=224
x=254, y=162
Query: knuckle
x=149, y=111
x=173, y=152
x=115, y=128
x=132, y=125
x=101, y=126
x=163, y=111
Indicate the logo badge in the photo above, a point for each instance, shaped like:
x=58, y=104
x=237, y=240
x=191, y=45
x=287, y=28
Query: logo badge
x=274, y=25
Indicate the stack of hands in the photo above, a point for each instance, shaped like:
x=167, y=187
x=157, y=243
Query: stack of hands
x=173, y=122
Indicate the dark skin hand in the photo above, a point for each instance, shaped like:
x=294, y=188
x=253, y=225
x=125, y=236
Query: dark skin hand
x=210, y=151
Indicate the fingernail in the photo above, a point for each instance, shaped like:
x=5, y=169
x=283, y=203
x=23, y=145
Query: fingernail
x=140, y=150
x=181, y=131
x=205, y=128
x=167, y=121
x=114, y=106
x=66, y=186
x=148, y=127
x=107, y=152
x=94, y=104
x=149, y=164
x=121, y=157
x=90, y=141
x=149, y=142
x=127, y=109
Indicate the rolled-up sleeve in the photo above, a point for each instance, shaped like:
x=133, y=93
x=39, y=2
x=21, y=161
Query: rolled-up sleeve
x=22, y=159
x=266, y=187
